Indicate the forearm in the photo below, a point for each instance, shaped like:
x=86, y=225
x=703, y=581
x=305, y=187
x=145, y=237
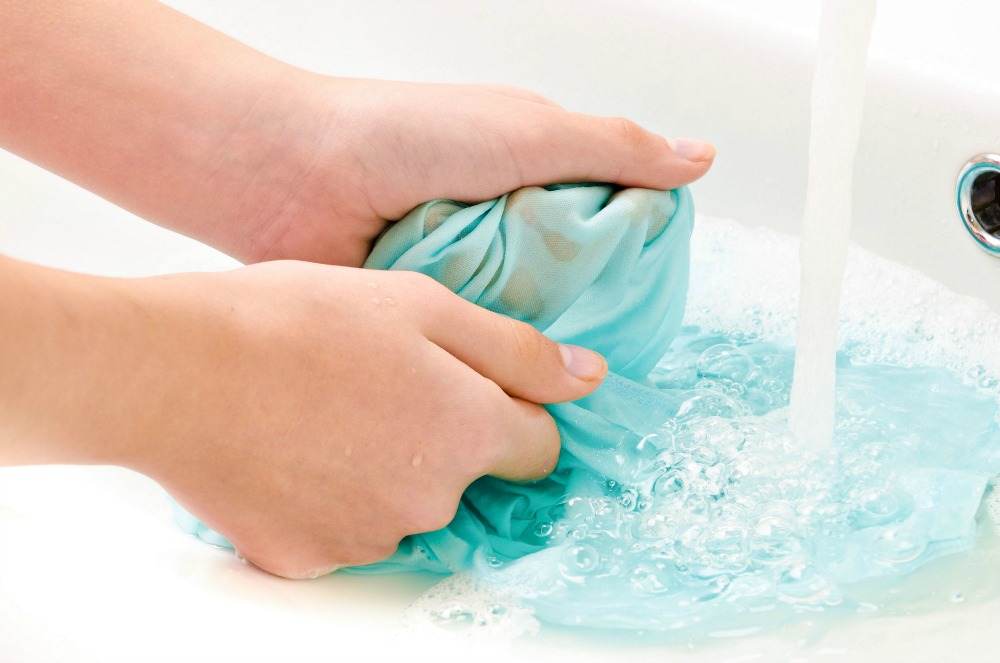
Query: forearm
x=153, y=111
x=71, y=368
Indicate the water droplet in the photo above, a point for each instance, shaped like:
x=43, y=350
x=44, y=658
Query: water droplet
x=313, y=575
x=389, y=301
x=956, y=597
x=418, y=460
x=372, y=284
x=348, y=450
x=376, y=301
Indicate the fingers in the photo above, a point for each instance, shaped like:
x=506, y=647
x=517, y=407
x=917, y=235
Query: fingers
x=532, y=443
x=514, y=355
x=572, y=147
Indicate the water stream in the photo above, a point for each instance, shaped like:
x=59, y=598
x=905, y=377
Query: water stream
x=837, y=104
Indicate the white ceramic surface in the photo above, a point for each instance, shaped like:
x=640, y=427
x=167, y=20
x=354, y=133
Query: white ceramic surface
x=92, y=569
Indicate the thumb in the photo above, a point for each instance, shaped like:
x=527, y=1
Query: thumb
x=513, y=354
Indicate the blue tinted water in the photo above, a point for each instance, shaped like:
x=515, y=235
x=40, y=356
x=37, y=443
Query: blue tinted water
x=724, y=517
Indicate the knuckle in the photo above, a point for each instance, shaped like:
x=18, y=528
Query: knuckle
x=629, y=133
x=529, y=343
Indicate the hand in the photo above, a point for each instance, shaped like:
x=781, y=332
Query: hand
x=201, y=134
x=312, y=415
x=385, y=147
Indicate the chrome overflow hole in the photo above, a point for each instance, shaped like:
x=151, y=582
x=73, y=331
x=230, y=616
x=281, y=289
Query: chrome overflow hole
x=979, y=200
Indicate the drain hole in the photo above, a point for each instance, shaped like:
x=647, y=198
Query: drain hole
x=986, y=202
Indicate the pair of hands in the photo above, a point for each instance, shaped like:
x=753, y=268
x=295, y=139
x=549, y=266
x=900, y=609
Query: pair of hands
x=278, y=403
x=368, y=421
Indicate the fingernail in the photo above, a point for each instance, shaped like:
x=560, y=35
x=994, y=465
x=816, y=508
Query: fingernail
x=691, y=149
x=583, y=363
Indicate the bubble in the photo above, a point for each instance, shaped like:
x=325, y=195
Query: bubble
x=580, y=559
x=645, y=580
x=773, y=537
x=672, y=482
x=877, y=506
x=543, y=530
x=658, y=526
x=725, y=361
x=628, y=499
x=800, y=582
x=726, y=545
x=898, y=546
x=455, y=617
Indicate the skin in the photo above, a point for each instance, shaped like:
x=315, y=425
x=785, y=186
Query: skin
x=278, y=402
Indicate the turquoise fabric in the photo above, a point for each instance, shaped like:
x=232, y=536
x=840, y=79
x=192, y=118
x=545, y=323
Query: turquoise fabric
x=591, y=265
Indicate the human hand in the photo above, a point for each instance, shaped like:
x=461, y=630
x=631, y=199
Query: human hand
x=384, y=147
x=316, y=415
x=201, y=134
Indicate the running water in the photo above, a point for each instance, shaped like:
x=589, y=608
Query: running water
x=837, y=102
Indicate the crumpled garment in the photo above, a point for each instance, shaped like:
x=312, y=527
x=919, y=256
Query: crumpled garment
x=590, y=265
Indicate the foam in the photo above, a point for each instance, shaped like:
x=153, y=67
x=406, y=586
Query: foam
x=744, y=283
x=901, y=512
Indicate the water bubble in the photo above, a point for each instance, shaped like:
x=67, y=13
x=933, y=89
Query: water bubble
x=671, y=482
x=772, y=537
x=645, y=580
x=657, y=526
x=725, y=361
x=600, y=506
x=455, y=617
x=543, y=530
x=628, y=499
x=581, y=559
x=898, y=546
x=800, y=582
x=725, y=543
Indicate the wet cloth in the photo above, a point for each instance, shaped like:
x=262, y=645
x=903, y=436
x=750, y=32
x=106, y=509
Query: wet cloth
x=588, y=264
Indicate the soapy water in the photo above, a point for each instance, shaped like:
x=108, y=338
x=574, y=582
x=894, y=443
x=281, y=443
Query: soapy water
x=726, y=522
